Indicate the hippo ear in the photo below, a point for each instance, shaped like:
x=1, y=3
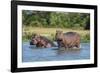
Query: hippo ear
x=34, y=34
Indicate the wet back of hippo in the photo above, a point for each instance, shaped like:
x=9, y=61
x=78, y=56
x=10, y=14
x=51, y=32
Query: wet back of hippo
x=71, y=40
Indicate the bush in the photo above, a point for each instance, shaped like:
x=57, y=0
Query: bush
x=85, y=38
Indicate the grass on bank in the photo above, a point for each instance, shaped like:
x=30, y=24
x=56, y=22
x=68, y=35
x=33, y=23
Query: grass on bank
x=50, y=33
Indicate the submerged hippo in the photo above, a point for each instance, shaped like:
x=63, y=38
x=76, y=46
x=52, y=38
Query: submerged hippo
x=67, y=40
x=41, y=41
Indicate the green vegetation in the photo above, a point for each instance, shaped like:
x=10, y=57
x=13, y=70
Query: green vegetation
x=55, y=19
x=46, y=23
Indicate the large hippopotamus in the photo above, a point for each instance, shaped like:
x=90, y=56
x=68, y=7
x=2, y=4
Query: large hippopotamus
x=67, y=40
x=41, y=41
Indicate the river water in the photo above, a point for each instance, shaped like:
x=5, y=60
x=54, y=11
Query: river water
x=33, y=54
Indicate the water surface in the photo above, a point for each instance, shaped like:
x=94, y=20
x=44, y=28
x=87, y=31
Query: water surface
x=33, y=54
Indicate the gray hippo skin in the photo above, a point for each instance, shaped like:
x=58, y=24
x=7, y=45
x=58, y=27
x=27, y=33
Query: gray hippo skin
x=67, y=40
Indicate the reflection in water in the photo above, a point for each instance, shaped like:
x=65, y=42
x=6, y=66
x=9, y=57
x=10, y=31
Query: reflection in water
x=33, y=54
x=62, y=51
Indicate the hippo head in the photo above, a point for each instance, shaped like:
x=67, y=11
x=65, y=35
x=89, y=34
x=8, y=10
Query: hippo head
x=59, y=35
x=35, y=39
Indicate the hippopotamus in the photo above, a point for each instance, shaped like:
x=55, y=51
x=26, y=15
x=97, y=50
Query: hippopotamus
x=67, y=40
x=33, y=40
x=41, y=41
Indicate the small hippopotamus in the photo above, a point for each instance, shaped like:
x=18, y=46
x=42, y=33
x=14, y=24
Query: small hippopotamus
x=41, y=41
x=33, y=39
x=67, y=40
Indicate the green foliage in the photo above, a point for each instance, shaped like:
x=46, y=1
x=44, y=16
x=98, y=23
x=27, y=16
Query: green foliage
x=86, y=37
x=55, y=19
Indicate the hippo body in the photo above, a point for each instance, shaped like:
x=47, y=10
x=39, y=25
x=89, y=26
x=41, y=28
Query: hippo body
x=41, y=41
x=67, y=40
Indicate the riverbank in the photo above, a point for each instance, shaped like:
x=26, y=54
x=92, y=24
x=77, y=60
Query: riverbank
x=50, y=33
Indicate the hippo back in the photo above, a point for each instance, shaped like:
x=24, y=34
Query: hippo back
x=48, y=41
